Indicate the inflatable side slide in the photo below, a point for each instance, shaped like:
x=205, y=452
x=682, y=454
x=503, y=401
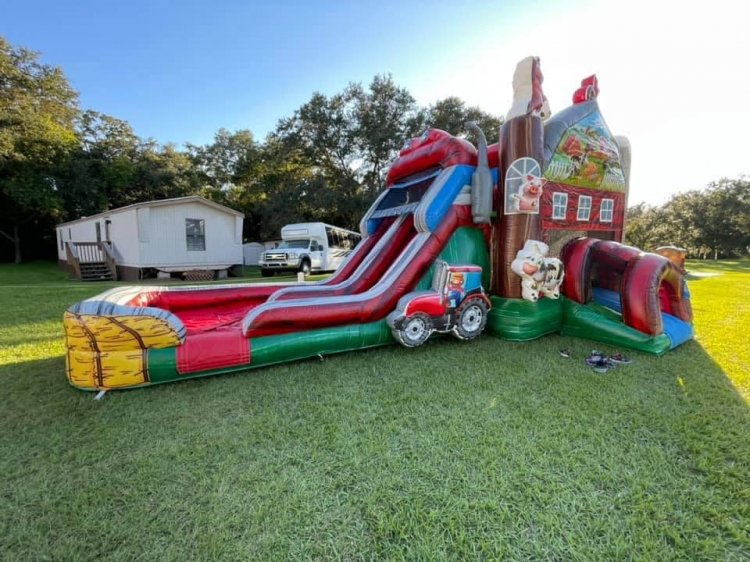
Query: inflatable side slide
x=620, y=295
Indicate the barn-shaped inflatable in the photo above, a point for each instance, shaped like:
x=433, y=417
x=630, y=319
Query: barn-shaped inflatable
x=517, y=239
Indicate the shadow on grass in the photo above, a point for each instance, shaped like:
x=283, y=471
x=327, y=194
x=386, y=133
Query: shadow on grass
x=461, y=450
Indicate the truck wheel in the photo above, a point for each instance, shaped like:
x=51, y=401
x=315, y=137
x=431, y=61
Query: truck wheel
x=415, y=330
x=471, y=319
x=266, y=272
x=304, y=267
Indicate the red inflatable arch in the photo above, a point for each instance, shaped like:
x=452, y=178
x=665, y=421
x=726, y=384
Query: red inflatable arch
x=576, y=256
x=648, y=284
x=434, y=149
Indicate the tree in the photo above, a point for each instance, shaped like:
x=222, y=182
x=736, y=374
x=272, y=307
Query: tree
x=714, y=221
x=112, y=167
x=641, y=226
x=723, y=216
x=451, y=114
x=161, y=172
x=346, y=142
x=99, y=173
x=37, y=113
x=231, y=171
x=230, y=162
x=384, y=117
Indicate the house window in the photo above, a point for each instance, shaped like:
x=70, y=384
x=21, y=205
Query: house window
x=98, y=231
x=584, y=207
x=61, y=234
x=559, y=205
x=607, y=211
x=195, y=234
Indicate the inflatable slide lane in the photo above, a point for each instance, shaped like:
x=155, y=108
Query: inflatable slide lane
x=136, y=336
x=620, y=295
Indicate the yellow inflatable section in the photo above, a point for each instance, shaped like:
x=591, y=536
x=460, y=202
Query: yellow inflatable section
x=110, y=351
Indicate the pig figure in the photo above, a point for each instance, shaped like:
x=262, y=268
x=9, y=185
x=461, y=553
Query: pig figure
x=529, y=194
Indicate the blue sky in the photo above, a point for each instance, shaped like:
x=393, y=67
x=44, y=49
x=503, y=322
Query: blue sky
x=673, y=78
x=177, y=71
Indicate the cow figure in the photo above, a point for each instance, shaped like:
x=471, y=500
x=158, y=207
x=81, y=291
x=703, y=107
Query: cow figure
x=540, y=276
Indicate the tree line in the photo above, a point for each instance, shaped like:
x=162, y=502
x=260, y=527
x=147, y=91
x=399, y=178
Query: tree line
x=710, y=223
x=326, y=162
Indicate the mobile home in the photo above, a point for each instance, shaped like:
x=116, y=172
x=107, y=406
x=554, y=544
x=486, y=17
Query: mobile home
x=189, y=235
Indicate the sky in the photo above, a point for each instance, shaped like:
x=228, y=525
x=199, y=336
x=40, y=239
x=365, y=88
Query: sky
x=674, y=76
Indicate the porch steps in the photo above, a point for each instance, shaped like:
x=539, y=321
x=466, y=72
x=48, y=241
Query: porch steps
x=95, y=271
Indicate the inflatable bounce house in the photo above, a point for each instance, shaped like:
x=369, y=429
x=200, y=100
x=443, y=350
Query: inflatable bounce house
x=520, y=238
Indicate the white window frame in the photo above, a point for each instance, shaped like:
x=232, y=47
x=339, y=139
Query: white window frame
x=586, y=208
x=609, y=210
x=563, y=204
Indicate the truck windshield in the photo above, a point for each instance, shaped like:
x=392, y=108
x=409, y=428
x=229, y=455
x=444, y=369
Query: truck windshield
x=295, y=244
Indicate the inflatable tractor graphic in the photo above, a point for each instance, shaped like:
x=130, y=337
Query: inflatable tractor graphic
x=456, y=304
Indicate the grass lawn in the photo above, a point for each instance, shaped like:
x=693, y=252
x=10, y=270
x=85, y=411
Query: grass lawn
x=452, y=451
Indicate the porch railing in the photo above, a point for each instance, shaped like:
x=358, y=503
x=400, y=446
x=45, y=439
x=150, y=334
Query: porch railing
x=78, y=253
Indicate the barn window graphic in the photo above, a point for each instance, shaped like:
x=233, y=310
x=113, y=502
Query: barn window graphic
x=607, y=210
x=559, y=205
x=523, y=187
x=584, y=207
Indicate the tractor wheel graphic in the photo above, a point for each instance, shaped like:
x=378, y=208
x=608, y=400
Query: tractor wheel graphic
x=415, y=330
x=471, y=320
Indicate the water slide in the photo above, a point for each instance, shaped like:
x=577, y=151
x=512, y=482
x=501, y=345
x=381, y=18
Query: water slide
x=438, y=202
x=133, y=336
x=375, y=303
x=217, y=306
x=426, y=219
x=398, y=233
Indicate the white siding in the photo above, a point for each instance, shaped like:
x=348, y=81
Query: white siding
x=124, y=237
x=144, y=224
x=61, y=236
x=251, y=253
x=168, y=245
x=84, y=231
x=123, y=233
x=238, y=230
x=155, y=236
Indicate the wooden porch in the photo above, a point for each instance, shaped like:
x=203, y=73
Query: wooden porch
x=91, y=261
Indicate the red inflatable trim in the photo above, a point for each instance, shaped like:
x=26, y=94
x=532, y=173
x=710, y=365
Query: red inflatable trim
x=644, y=281
x=576, y=256
x=493, y=155
x=434, y=149
x=213, y=350
x=588, y=91
x=648, y=284
x=181, y=300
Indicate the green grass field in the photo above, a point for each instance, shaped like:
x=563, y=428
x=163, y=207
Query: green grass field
x=478, y=450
